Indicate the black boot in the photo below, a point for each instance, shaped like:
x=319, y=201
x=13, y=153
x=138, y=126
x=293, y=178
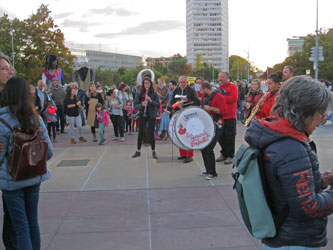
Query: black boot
x=137, y=154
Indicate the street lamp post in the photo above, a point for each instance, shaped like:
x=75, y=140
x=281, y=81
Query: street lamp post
x=316, y=54
x=213, y=72
x=11, y=32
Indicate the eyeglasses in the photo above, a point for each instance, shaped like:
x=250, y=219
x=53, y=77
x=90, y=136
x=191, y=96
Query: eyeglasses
x=6, y=69
x=324, y=117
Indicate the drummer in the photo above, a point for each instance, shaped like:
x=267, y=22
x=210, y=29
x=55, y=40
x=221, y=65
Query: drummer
x=188, y=97
x=215, y=104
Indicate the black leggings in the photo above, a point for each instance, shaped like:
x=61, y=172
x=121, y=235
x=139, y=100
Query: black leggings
x=142, y=127
x=117, y=122
x=51, y=125
x=129, y=125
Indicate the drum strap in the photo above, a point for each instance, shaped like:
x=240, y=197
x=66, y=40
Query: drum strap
x=207, y=101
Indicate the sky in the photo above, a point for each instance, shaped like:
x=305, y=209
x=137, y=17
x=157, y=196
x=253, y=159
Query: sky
x=154, y=28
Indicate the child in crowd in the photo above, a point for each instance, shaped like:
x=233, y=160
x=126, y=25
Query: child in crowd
x=102, y=117
x=164, y=123
x=128, y=119
x=135, y=118
x=51, y=119
x=158, y=121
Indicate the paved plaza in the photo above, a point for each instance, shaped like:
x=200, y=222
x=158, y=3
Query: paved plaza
x=100, y=198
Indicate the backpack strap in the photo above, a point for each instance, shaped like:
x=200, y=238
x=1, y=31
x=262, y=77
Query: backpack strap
x=278, y=218
x=6, y=124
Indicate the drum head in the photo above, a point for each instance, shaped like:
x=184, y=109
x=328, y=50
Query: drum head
x=172, y=132
x=194, y=128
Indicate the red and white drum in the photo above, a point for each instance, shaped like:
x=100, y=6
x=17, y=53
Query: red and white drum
x=172, y=132
x=193, y=127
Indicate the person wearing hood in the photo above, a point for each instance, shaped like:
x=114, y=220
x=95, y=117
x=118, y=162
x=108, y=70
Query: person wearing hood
x=291, y=164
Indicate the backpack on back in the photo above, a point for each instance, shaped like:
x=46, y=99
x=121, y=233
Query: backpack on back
x=251, y=188
x=29, y=156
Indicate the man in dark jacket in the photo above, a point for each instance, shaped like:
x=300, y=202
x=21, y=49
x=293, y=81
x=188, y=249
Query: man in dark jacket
x=190, y=98
x=58, y=95
x=243, y=90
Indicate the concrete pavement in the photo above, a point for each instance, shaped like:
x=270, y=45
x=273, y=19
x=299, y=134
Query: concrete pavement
x=99, y=197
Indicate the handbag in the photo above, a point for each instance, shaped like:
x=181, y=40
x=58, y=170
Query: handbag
x=29, y=155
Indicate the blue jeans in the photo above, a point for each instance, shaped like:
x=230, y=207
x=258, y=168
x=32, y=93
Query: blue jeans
x=22, y=206
x=290, y=248
x=101, y=127
x=82, y=117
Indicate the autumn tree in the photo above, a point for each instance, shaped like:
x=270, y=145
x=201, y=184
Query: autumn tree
x=238, y=68
x=18, y=29
x=35, y=38
x=178, y=67
x=300, y=60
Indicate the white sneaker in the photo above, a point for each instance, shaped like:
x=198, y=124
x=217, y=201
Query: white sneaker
x=122, y=138
x=114, y=138
x=210, y=177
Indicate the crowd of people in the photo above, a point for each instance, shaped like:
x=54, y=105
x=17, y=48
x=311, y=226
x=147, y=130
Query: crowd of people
x=280, y=123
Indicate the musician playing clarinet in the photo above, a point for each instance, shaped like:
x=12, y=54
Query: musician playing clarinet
x=215, y=104
x=148, y=103
x=188, y=97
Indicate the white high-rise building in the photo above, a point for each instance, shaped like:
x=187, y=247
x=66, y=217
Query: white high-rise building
x=207, y=33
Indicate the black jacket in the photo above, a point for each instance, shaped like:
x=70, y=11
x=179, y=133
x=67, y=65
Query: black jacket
x=293, y=179
x=190, y=93
x=152, y=106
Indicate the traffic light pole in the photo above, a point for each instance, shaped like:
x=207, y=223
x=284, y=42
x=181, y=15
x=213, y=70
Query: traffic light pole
x=316, y=54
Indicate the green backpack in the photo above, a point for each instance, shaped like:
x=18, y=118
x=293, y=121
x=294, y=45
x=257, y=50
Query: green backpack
x=252, y=194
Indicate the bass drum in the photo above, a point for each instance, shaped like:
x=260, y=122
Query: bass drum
x=194, y=128
x=172, y=132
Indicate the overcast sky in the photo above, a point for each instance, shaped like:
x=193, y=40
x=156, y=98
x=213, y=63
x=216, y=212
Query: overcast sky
x=157, y=27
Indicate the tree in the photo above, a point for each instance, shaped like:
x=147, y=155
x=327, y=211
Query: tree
x=35, y=38
x=178, y=67
x=238, y=68
x=18, y=28
x=300, y=60
x=44, y=38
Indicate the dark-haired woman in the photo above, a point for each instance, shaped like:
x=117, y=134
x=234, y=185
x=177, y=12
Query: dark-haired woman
x=273, y=82
x=92, y=94
x=72, y=106
x=291, y=165
x=21, y=197
x=148, y=104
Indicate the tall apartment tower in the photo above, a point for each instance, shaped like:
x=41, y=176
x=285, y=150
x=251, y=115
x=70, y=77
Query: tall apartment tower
x=207, y=33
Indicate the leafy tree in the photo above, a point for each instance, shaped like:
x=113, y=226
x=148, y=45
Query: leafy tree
x=238, y=68
x=44, y=38
x=300, y=60
x=18, y=28
x=178, y=67
x=158, y=67
x=34, y=39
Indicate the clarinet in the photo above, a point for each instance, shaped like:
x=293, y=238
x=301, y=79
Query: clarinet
x=145, y=111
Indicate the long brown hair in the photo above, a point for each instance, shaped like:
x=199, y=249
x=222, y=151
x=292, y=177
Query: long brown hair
x=69, y=94
x=88, y=93
x=151, y=88
x=17, y=96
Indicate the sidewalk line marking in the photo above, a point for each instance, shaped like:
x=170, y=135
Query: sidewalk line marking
x=202, y=170
x=53, y=160
x=93, y=170
x=148, y=200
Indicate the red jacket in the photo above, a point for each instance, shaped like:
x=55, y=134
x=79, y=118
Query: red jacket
x=253, y=100
x=219, y=102
x=231, y=100
x=266, y=107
